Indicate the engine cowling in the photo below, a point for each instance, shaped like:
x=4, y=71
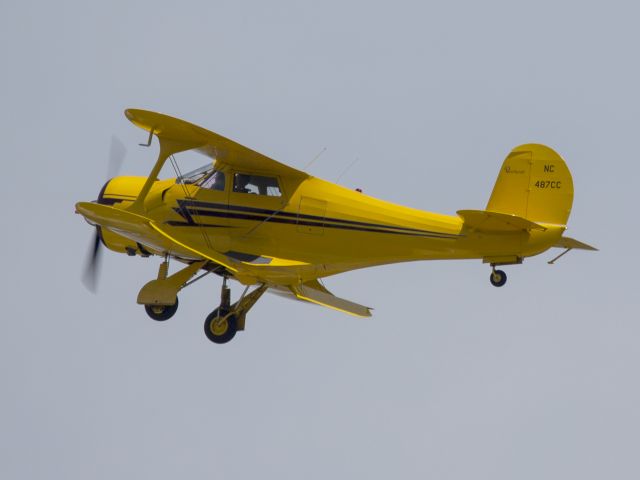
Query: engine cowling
x=120, y=192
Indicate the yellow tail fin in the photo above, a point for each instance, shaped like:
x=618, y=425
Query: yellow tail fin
x=534, y=183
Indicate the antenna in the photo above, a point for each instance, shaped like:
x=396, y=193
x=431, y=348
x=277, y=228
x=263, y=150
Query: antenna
x=315, y=158
x=347, y=169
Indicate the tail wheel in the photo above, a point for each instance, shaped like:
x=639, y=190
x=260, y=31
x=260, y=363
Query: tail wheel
x=161, y=312
x=219, y=327
x=498, y=278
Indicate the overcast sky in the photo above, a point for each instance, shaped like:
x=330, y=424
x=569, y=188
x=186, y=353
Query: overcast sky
x=451, y=378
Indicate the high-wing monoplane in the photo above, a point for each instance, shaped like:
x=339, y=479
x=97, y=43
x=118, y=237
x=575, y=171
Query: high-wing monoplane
x=247, y=217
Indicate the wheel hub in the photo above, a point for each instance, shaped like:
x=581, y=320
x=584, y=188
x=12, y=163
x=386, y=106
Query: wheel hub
x=219, y=326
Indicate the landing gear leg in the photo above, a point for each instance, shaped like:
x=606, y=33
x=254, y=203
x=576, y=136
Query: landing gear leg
x=221, y=325
x=160, y=296
x=497, y=278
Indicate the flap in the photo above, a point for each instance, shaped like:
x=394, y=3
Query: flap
x=486, y=221
x=216, y=146
x=315, y=292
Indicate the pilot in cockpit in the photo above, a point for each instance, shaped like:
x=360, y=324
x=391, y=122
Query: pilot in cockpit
x=240, y=183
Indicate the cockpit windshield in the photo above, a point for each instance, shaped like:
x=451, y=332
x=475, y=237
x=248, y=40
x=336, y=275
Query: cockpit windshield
x=195, y=175
x=204, y=177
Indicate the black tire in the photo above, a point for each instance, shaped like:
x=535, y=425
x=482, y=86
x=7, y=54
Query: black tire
x=220, y=333
x=498, y=278
x=161, y=313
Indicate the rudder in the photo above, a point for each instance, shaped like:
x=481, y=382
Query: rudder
x=534, y=183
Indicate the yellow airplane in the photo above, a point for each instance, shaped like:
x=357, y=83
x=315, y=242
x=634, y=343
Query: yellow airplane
x=248, y=217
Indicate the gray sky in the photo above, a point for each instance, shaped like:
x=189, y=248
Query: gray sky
x=451, y=378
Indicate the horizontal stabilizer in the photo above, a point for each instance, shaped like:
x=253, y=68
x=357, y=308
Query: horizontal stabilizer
x=486, y=221
x=568, y=242
x=315, y=292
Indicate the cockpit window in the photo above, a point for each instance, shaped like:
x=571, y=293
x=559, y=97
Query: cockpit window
x=256, y=184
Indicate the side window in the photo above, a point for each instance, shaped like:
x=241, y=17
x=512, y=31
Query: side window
x=256, y=184
x=215, y=181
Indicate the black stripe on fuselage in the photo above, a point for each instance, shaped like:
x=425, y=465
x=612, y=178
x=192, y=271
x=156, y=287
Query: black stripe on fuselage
x=112, y=199
x=178, y=223
x=262, y=211
x=187, y=210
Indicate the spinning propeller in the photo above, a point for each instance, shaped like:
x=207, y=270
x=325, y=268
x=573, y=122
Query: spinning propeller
x=117, y=152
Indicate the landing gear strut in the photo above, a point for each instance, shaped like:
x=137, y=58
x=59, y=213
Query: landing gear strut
x=160, y=296
x=498, y=278
x=221, y=325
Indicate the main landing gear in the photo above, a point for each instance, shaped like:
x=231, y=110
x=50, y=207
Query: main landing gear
x=160, y=300
x=497, y=278
x=221, y=325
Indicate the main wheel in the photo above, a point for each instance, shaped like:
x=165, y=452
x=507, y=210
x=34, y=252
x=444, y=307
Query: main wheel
x=219, y=329
x=161, y=312
x=498, y=278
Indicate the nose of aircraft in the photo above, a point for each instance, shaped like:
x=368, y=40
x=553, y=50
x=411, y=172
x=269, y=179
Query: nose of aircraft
x=117, y=152
x=101, y=200
x=92, y=263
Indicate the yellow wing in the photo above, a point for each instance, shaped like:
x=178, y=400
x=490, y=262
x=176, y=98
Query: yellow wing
x=245, y=267
x=145, y=231
x=189, y=136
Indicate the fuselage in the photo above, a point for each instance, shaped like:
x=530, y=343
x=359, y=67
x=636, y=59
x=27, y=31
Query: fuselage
x=325, y=227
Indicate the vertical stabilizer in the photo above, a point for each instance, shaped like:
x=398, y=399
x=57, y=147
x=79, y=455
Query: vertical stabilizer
x=534, y=183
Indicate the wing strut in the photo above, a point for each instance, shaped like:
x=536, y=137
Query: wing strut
x=167, y=148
